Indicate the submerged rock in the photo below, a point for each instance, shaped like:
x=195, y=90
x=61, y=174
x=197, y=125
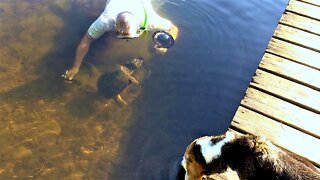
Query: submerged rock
x=21, y=152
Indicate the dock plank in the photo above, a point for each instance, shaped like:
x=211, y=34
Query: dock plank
x=315, y=2
x=304, y=9
x=298, y=37
x=280, y=134
x=282, y=111
x=282, y=101
x=293, y=92
x=291, y=70
x=301, y=22
x=295, y=53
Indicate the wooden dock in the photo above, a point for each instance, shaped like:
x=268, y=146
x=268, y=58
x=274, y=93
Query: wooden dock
x=282, y=101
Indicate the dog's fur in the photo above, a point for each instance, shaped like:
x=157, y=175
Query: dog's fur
x=234, y=156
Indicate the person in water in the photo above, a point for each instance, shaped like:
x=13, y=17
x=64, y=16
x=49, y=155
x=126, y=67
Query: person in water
x=128, y=19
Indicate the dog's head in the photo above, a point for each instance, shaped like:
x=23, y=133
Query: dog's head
x=202, y=158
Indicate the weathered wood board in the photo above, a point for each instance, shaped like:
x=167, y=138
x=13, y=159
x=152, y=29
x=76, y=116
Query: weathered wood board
x=282, y=111
x=280, y=134
x=298, y=37
x=314, y=2
x=304, y=9
x=291, y=70
x=301, y=22
x=295, y=53
x=290, y=91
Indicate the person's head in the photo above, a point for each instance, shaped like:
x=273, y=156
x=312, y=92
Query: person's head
x=127, y=26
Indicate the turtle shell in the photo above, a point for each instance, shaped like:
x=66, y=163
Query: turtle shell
x=111, y=84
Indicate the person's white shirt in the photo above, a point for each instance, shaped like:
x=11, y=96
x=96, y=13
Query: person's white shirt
x=141, y=9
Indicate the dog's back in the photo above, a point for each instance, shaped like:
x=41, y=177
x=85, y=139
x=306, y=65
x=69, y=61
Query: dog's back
x=233, y=156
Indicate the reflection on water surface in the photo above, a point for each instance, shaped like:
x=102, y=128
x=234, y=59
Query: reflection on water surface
x=50, y=129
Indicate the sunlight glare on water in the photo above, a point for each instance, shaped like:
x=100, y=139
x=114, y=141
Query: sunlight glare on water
x=53, y=130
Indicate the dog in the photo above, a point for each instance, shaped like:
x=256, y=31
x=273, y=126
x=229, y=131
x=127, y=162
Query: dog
x=234, y=156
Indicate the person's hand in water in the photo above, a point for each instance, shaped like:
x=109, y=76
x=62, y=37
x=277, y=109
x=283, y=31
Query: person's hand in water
x=71, y=73
x=174, y=32
x=160, y=50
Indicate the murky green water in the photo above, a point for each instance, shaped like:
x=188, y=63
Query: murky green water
x=53, y=130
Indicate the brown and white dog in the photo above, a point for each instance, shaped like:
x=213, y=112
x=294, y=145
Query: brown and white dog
x=234, y=156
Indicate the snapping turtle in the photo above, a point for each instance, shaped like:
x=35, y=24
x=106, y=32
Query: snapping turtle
x=110, y=85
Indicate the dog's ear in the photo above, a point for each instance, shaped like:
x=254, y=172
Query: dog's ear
x=198, y=155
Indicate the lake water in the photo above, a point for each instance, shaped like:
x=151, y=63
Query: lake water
x=54, y=130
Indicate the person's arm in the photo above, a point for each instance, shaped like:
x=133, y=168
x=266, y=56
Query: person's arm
x=173, y=31
x=81, y=51
x=101, y=25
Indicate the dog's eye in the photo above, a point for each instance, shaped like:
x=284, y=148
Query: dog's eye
x=189, y=160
